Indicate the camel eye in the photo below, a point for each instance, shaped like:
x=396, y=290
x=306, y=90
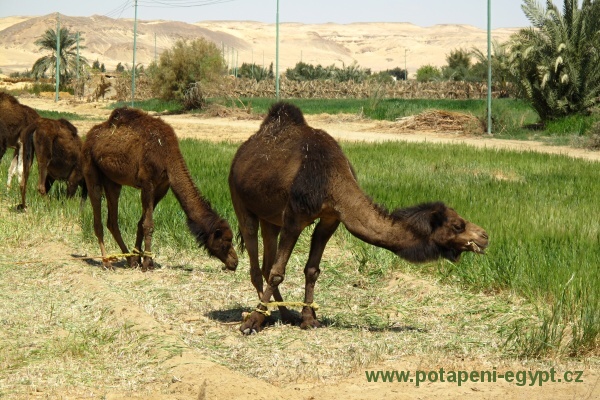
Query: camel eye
x=458, y=228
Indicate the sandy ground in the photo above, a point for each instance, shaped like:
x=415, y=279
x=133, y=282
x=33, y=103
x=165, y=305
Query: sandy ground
x=192, y=377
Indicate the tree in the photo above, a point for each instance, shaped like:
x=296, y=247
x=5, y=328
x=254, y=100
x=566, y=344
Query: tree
x=557, y=60
x=253, y=71
x=120, y=68
x=68, y=55
x=458, y=65
x=428, y=73
x=185, y=64
x=501, y=75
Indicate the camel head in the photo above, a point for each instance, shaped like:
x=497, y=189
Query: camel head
x=219, y=244
x=455, y=235
x=442, y=232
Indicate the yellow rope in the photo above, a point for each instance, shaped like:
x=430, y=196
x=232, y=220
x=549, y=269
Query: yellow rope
x=135, y=252
x=274, y=304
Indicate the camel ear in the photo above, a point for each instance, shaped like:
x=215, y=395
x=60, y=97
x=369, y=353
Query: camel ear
x=437, y=217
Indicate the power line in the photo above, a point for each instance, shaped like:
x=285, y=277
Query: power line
x=119, y=10
x=180, y=4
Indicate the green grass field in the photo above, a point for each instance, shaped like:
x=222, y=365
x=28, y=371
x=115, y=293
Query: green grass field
x=540, y=211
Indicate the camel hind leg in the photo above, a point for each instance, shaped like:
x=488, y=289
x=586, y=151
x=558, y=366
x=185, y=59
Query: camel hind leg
x=95, y=189
x=16, y=166
x=112, y=191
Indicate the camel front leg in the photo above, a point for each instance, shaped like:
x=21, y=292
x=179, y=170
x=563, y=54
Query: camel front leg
x=150, y=198
x=321, y=235
x=270, y=233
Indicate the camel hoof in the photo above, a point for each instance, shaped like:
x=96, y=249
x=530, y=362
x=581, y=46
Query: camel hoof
x=252, y=324
x=108, y=266
x=310, y=324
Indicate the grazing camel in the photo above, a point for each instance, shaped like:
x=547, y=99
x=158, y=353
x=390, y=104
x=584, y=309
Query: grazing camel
x=134, y=149
x=287, y=175
x=14, y=118
x=57, y=147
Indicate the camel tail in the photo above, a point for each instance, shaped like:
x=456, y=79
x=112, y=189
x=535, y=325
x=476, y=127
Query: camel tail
x=28, y=150
x=283, y=113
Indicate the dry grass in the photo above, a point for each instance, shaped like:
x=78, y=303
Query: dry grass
x=70, y=326
x=442, y=121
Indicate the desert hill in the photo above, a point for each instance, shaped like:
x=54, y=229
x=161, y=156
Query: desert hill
x=378, y=46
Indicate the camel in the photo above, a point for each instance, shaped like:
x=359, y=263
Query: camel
x=14, y=118
x=134, y=149
x=57, y=147
x=288, y=175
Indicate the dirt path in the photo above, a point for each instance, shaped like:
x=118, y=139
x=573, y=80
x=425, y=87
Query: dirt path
x=341, y=127
x=190, y=376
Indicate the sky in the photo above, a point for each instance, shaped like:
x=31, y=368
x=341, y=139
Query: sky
x=505, y=13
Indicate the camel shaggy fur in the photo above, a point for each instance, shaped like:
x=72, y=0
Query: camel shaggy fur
x=134, y=149
x=288, y=175
x=14, y=118
x=57, y=147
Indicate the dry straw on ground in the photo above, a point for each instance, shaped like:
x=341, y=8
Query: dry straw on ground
x=441, y=121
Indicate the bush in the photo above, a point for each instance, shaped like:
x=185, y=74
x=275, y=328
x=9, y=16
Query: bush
x=183, y=65
x=428, y=73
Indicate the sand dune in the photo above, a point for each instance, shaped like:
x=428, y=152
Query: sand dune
x=378, y=46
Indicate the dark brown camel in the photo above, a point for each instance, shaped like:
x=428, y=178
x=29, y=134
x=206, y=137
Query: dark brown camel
x=14, y=118
x=288, y=175
x=134, y=149
x=57, y=147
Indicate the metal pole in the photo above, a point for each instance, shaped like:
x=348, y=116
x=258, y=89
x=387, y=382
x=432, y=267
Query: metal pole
x=277, y=53
x=57, y=56
x=77, y=69
x=489, y=91
x=134, y=48
x=154, y=47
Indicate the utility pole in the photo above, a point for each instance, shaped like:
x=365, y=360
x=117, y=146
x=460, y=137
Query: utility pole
x=57, y=56
x=489, y=91
x=277, y=53
x=134, y=48
x=405, y=70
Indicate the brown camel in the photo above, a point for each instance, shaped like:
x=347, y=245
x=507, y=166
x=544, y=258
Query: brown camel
x=57, y=147
x=14, y=118
x=134, y=149
x=287, y=175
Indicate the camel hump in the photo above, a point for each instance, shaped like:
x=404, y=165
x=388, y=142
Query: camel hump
x=67, y=124
x=284, y=113
x=125, y=116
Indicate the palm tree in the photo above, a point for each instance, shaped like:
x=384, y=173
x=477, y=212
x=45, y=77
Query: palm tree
x=500, y=66
x=557, y=60
x=68, y=54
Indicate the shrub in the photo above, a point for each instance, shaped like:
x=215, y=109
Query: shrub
x=428, y=73
x=183, y=65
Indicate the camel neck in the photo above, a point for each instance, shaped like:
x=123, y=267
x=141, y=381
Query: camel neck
x=372, y=224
